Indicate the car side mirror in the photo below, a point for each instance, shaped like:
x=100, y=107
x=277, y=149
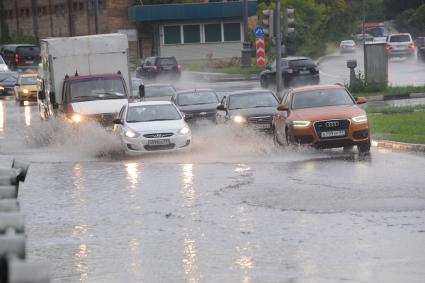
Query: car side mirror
x=141, y=91
x=361, y=100
x=42, y=95
x=221, y=107
x=117, y=121
x=282, y=107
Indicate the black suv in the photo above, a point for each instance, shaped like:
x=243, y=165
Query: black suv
x=154, y=67
x=21, y=56
x=296, y=71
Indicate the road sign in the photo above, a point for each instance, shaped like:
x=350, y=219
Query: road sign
x=261, y=52
x=259, y=31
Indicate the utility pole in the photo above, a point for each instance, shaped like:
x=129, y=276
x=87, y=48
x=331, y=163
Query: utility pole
x=34, y=8
x=364, y=19
x=246, y=49
x=96, y=16
x=278, y=33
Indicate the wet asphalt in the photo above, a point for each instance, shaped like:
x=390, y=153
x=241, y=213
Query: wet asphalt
x=235, y=209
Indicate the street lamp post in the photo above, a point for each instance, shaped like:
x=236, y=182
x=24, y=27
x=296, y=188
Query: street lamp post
x=246, y=49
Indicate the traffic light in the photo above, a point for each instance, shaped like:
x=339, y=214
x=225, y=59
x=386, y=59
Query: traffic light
x=289, y=20
x=268, y=22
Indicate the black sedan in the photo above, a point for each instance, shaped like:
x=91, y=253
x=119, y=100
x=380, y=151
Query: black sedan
x=254, y=108
x=7, y=83
x=296, y=71
x=197, y=104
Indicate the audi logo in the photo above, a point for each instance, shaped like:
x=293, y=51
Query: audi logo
x=332, y=124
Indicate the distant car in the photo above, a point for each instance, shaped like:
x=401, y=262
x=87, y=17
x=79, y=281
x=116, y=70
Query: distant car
x=7, y=83
x=155, y=67
x=152, y=126
x=252, y=108
x=347, y=46
x=21, y=56
x=26, y=88
x=158, y=92
x=363, y=37
x=3, y=65
x=420, y=44
x=135, y=83
x=296, y=71
x=323, y=116
x=197, y=104
x=400, y=45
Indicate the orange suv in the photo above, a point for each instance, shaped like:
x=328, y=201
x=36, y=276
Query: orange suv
x=324, y=116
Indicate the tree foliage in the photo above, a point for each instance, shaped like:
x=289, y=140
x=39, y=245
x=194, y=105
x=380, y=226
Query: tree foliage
x=412, y=21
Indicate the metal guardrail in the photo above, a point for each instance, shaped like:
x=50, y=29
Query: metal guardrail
x=14, y=268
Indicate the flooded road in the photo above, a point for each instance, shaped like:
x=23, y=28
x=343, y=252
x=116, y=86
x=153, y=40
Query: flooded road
x=234, y=210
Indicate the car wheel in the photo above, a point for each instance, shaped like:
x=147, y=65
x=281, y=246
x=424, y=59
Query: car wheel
x=264, y=82
x=364, y=147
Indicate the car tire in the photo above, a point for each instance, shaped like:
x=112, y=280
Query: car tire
x=264, y=82
x=364, y=147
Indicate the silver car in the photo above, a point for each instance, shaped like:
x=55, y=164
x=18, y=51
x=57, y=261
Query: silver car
x=400, y=45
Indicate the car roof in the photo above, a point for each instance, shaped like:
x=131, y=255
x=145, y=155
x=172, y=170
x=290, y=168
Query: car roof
x=293, y=58
x=159, y=84
x=316, y=87
x=194, y=90
x=76, y=78
x=18, y=45
x=347, y=40
x=401, y=33
x=150, y=103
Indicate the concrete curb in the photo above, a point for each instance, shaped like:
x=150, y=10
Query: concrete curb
x=398, y=145
x=386, y=97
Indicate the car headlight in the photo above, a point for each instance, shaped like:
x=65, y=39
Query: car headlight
x=185, y=130
x=25, y=91
x=360, y=119
x=1, y=88
x=131, y=134
x=238, y=119
x=76, y=117
x=300, y=124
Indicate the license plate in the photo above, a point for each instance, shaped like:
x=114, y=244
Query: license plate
x=261, y=126
x=304, y=72
x=159, y=142
x=332, y=134
x=29, y=62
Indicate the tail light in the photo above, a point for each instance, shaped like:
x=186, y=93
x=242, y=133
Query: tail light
x=412, y=45
x=290, y=71
x=17, y=58
x=179, y=67
x=155, y=68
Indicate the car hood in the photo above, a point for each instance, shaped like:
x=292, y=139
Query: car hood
x=252, y=112
x=328, y=113
x=158, y=98
x=212, y=107
x=29, y=87
x=99, y=106
x=157, y=126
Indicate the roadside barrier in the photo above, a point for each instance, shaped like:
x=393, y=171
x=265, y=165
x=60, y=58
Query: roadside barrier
x=14, y=268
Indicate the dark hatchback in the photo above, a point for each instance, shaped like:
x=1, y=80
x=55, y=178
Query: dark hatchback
x=197, y=104
x=21, y=56
x=254, y=108
x=7, y=83
x=155, y=67
x=296, y=71
x=158, y=92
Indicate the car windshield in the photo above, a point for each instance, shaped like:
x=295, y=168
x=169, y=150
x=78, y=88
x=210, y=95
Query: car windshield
x=158, y=91
x=148, y=113
x=195, y=98
x=97, y=88
x=301, y=63
x=252, y=100
x=347, y=42
x=400, y=38
x=28, y=80
x=321, y=98
x=166, y=61
x=28, y=51
x=8, y=77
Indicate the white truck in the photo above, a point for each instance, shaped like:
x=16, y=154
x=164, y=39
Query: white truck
x=84, y=77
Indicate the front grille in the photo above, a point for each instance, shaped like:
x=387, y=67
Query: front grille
x=303, y=139
x=159, y=135
x=159, y=147
x=332, y=125
x=260, y=119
